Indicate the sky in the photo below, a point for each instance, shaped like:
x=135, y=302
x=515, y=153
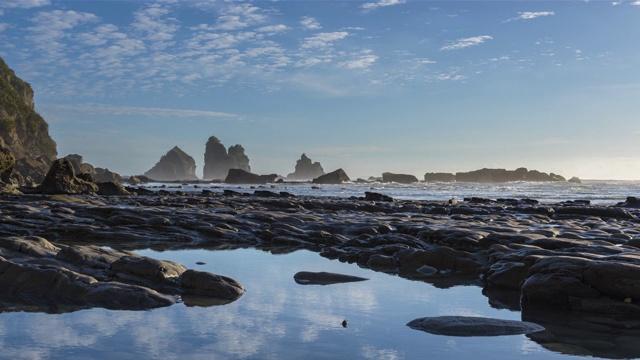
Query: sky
x=367, y=86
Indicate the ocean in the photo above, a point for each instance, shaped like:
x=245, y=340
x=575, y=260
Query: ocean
x=599, y=192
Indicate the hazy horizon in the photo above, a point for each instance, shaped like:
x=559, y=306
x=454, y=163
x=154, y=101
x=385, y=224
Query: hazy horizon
x=367, y=86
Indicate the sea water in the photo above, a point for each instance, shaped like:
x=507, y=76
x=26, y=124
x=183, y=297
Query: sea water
x=607, y=192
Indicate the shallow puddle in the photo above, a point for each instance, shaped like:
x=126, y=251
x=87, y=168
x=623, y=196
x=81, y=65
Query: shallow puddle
x=275, y=319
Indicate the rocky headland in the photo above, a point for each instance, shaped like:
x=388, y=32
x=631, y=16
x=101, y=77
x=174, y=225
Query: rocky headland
x=496, y=176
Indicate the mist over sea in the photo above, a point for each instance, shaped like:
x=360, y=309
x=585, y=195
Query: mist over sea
x=603, y=192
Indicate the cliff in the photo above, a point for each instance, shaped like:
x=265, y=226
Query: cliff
x=23, y=130
x=174, y=165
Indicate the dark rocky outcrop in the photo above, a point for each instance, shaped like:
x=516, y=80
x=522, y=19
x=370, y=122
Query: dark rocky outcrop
x=335, y=177
x=439, y=177
x=388, y=177
x=501, y=175
x=79, y=165
x=575, y=180
x=306, y=170
x=174, y=165
x=62, y=179
x=104, y=175
x=108, y=188
x=37, y=273
x=324, y=278
x=237, y=176
x=473, y=326
x=217, y=161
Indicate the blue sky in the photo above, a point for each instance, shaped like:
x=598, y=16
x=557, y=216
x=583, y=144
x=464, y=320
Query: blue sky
x=389, y=85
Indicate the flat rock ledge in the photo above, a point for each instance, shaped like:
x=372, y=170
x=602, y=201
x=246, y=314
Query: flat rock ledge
x=36, y=275
x=473, y=326
x=324, y=278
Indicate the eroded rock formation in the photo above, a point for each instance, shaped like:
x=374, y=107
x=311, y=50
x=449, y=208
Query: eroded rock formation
x=398, y=178
x=62, y=179
x=217, y=161
x=306, y=170
x=238, y=176
x=174, y=165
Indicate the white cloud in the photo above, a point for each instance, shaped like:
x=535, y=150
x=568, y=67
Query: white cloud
x=381, y=3
x=273, y=29
x=237, y=17
x=363, y=60
x=467, y=42
x=101, y=35
x=616, y=3
x=324, y=39
x=154, y=23
x=24, y=4
x=310, y=23
x=51, y=28
x=3, y=26
x=101, y=109
x=636, y=3
x=528, y=15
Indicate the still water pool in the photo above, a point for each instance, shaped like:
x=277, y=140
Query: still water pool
x=275, y=319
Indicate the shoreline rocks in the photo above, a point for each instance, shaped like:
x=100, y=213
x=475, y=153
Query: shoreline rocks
x=525, y=255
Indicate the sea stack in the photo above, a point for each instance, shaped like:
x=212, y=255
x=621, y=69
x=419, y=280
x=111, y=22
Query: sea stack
x=174, y=165
x=217, y=161
x=306, y=170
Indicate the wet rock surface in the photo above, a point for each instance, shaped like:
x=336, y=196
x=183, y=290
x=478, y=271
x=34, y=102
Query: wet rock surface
x=473, y=326
x=324, y=278
x=526, y=255
x=40, y=276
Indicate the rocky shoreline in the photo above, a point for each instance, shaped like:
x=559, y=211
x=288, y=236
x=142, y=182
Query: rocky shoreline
x=527, y=256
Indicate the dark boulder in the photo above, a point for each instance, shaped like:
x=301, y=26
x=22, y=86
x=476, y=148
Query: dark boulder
x=306, y=170
x=372, y=196
x=111, y=188
x=388, y=177
x=335, y=177
x=575, y=180
x=238, y=176
x=61, y=179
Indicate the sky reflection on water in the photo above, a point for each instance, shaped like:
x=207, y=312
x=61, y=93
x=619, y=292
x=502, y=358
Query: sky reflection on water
x=275, y=319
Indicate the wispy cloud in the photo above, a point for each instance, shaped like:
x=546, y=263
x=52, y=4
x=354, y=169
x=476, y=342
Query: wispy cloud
x=529, y=15
x=273, y=29
x=324, y=39
x=50, y=29
x=24, y=4
x=362, y=60
x=101, y=109
x=636, y=3
x=381, y=3
x=467, y=42
x=310, y=23
x=240, y=16
x=155, y=24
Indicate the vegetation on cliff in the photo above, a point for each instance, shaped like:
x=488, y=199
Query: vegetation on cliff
x=23, y=130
